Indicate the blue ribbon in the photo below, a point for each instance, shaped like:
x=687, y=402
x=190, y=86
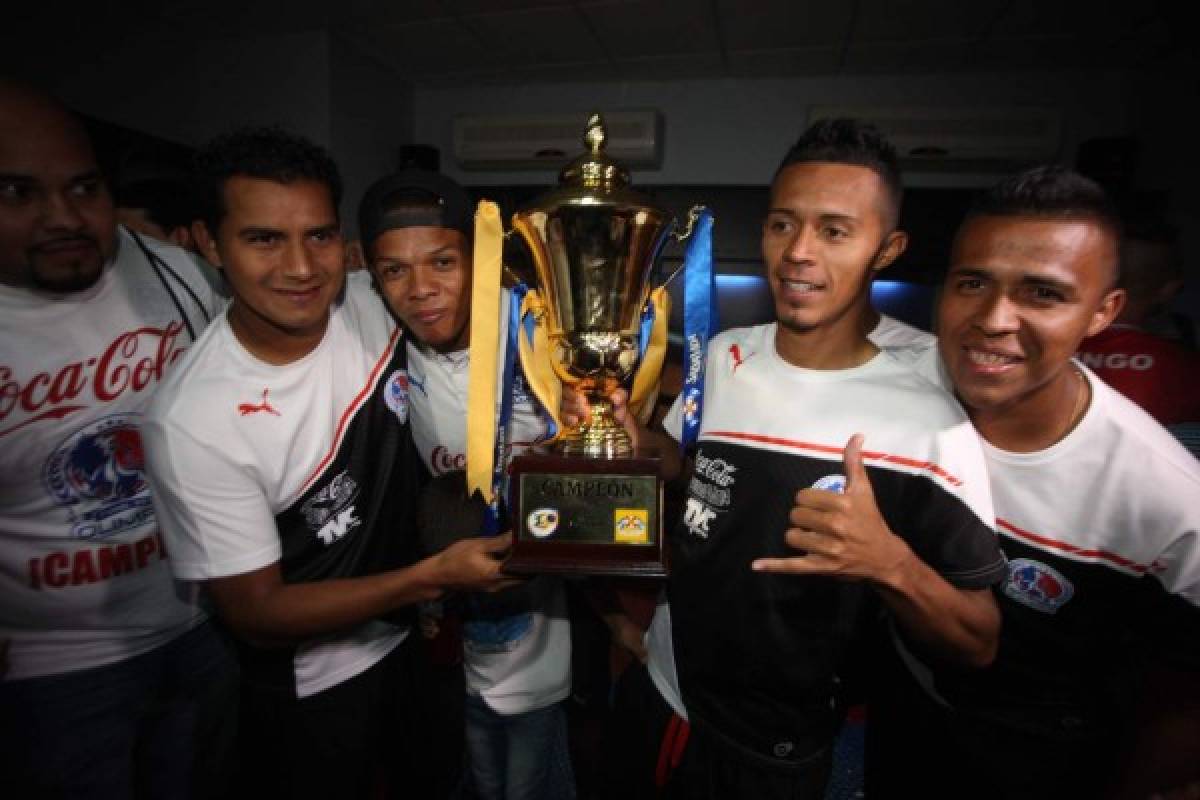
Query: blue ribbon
x=495, y=517
x=699, y=322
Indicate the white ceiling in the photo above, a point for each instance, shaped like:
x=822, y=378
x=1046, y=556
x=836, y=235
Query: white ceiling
x=456, y=42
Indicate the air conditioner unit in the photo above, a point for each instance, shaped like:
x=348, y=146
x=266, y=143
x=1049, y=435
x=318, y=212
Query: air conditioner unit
x=962, y=137
x=549, y=141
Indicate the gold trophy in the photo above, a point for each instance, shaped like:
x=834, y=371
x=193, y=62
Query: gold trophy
x=593, y=505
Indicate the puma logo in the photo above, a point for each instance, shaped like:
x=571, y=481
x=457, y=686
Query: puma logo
x=254, y=408
x=735, y=353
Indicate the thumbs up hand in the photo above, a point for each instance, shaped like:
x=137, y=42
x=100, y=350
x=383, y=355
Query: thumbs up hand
x=841, y=534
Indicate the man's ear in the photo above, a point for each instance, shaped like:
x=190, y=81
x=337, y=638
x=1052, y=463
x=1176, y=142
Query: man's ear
x=894, y=244
x=206, y=244
x=1110, y=306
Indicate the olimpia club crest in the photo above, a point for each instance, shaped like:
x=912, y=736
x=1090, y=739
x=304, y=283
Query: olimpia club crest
x=98, y=474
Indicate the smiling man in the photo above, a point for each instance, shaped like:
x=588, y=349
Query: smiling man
x=417, y=233
x=1097, y=511
x=104, y=665
x=286, y=476
x=796, y=529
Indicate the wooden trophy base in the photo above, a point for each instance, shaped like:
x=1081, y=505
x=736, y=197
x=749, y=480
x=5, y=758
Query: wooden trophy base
x=587, y=516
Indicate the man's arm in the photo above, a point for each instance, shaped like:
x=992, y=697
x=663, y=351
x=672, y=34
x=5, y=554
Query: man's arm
x=265, y=611
x=845, y=536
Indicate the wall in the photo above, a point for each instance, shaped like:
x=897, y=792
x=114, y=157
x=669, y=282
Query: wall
x=185, y=89
x=735, y=131
x=371, y=114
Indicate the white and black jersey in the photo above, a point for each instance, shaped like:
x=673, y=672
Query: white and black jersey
x=758, y=655
x=521, y=662
x=310, y=464
x=1102, y=534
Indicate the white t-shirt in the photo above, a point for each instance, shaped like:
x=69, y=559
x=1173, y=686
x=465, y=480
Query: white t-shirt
x=83, y=576
x=1102, y=535
x=254, y=464
x=890, y=332
x=523, y=662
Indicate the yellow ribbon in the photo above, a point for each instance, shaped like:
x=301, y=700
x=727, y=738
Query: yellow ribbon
x=484, y=349
x=535, y=356
x=649, y=373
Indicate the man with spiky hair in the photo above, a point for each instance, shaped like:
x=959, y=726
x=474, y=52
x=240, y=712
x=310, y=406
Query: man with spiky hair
x=1097, y=515
x=286, y=476
x=830, y=480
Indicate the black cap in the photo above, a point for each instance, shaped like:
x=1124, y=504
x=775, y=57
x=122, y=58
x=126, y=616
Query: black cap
x=378, y=212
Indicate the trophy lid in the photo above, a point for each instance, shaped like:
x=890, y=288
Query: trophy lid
x=594, y=178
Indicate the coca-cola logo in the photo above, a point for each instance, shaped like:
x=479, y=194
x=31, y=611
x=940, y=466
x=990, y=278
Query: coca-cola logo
x=442, y=461
x=133, y=361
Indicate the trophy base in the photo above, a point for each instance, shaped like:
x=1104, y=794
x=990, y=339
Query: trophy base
x=587, y=516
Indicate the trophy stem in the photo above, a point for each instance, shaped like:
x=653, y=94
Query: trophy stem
x=600, y=435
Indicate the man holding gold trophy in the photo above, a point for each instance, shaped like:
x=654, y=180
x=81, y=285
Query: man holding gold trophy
x=441, y=276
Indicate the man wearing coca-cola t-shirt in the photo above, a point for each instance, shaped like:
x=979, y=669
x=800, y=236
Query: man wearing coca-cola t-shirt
x=111, y=679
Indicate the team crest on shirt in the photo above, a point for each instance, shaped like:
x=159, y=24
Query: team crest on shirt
x=330, y=513
x=831, y=483
x=98, y=474
x=395, y=394
x=1037, y=585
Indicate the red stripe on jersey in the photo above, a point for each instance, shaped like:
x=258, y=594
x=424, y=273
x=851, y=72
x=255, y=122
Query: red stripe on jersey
x=871, y=455
x=350, y=411
x=1072, y=550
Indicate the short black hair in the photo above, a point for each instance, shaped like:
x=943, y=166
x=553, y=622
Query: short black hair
x=1049, y=191
x=849, y=141
x=269, y=153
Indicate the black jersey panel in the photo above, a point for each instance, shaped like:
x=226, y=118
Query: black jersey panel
x=759, y=655
x=357, y=517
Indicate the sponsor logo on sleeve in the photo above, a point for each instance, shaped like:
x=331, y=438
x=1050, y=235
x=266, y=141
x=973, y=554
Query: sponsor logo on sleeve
x=1037, y=585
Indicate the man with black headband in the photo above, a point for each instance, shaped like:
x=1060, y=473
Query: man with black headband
x=286, y=479
x=103, y=664
x=416, y=228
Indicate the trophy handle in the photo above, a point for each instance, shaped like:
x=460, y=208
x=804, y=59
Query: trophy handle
x=692, y=217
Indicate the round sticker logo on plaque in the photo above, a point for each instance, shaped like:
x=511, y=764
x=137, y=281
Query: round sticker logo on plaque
x=542, y=522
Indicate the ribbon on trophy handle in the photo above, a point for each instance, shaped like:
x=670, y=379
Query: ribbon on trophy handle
x=484, y=448
x=699, y=322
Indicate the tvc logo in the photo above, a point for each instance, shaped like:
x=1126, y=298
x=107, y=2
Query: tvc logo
x=339, y=526
x=697, y=516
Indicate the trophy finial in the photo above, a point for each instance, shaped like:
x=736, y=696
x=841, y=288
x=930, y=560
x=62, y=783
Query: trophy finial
x=595, y=136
